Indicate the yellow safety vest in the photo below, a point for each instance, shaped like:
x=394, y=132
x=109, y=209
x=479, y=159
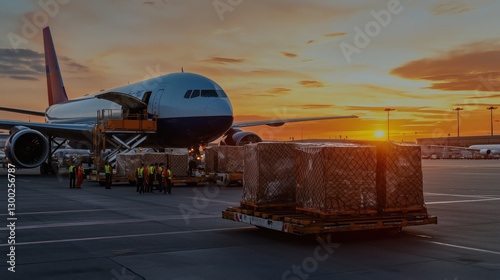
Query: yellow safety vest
x=151, y=170
x=71, y=168
x=169, y=174
x=107, y=169
x=140, y=172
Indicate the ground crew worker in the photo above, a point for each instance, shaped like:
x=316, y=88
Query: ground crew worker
x=79, y=174
x=72, y=175
x=169, y=180
x=108, y=170
x=158, y=173
x=164, y=177
x=139, y=175
x=151, y=177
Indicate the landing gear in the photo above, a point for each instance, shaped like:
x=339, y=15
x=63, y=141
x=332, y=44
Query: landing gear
x=47, y=168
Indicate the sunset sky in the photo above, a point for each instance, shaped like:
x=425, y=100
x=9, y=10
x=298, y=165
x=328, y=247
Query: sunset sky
x=274, y=58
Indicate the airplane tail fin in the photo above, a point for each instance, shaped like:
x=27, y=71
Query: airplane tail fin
x=55, y=85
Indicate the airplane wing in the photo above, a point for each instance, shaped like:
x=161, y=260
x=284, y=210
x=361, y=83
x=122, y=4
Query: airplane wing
x=280, y=122
x=22, y=111
x=78, y=132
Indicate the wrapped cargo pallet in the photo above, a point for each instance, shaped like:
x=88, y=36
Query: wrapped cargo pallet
x=400, y=180
x=230, y=159
x=211, y=159
x=127, y=164
x=269, y=174
x=336, y=178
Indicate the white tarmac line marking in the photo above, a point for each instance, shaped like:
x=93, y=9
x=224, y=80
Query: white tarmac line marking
x=109, y=222
x=461, y=201
x=124, y=236
x=77, y=211
x=462, y=195
x=464, y=247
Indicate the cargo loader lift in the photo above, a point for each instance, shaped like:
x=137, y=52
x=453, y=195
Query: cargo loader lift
x=121, y=134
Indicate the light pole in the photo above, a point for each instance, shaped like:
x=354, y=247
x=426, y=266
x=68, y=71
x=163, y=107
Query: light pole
x=458, y=109
x=491, y=108
x=388, y=110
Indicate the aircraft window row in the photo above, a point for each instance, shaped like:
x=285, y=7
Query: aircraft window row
x=192, y=93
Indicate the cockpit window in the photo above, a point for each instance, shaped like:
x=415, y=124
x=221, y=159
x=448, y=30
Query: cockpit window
x=208, y=93
x=192, y=93
x=196, y=93
x=221, y=93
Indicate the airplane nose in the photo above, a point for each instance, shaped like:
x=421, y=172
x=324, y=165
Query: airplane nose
x=219, y=107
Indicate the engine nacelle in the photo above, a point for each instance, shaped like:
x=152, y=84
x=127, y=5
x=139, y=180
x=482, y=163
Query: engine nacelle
x=236, y=137
x=26, y=148
x=485, y=152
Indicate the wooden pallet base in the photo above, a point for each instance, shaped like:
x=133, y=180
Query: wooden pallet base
x=293, y=221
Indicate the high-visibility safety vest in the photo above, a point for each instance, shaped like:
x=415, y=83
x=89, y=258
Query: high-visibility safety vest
x=107, y=168
x=71, y=168
x=151, y=170
x=140, y=172
x=169, y=174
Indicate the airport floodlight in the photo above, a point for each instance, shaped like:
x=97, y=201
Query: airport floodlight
x=458, y=109
x=491, y=108
x=388, y=110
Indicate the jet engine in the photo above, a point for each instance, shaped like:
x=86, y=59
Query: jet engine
x=485, y=152
x=26, y=148
x=236, y=137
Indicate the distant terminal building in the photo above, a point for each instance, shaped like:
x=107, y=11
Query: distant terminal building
x=430, y=146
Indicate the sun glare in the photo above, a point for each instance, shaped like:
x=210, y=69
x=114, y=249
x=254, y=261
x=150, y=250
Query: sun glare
x=379, y=133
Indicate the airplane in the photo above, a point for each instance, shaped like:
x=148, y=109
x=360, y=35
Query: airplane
x=482, y=149
x=190, y=109
x=486, y=149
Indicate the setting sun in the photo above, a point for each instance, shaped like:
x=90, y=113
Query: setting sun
x=379, y=133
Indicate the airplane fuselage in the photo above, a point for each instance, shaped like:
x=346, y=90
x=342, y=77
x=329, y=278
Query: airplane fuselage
x=190, y=108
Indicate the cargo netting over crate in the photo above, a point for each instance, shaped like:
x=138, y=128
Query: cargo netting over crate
x=336, y=178
x=400, y=177
x=225, y=159
x=269, y=173
x=127, y=164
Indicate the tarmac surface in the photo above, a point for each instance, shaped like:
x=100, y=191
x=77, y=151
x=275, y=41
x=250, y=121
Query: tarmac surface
x=94, y=233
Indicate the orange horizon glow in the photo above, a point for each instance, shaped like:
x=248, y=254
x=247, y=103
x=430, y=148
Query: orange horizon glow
x=277, y=59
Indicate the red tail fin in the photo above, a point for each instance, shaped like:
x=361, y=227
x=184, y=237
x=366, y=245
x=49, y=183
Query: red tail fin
x=55, y=85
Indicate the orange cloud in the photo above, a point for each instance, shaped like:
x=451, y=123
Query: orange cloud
x=273, y=92
x=311, y=84
x=314, y=106
x=471, y=67
x=224, y=60
x=288, y=54
x=451, y=7
x=331, y=35
x=280, y=90
x=485, y=96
